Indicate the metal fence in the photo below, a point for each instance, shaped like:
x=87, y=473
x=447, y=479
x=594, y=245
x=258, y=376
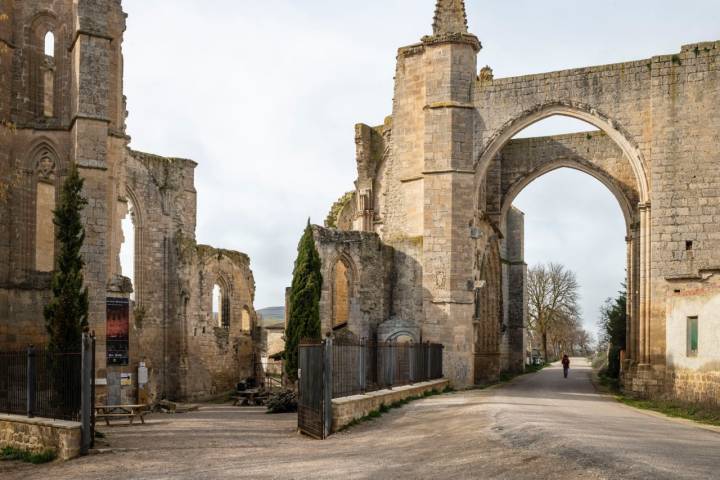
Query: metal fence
x=365, y=366
x=337, y=368
x=37, y=382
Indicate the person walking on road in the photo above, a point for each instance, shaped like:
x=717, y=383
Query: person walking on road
x=566, y=365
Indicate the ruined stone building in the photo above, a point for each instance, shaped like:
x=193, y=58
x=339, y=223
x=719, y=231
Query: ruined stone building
x=62, y=103
x=429, y=247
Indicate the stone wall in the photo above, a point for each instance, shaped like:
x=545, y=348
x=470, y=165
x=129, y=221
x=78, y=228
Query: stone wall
x=38, y=435
x=347, y=409
x=369, y=264
x=213, y=358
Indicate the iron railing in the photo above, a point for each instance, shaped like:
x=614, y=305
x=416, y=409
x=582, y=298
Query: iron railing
x=364, y=366
x=37, y=382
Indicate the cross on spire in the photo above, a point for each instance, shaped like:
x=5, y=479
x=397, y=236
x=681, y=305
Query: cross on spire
x=450, y=17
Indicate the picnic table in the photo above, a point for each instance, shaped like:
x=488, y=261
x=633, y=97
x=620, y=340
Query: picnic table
x=106, y=412
x=253, y=396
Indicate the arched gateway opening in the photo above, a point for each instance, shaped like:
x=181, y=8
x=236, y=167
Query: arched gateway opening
x=593, y=145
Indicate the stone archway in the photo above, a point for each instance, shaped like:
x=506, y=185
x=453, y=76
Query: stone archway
x=630, y=188
x=569, y=109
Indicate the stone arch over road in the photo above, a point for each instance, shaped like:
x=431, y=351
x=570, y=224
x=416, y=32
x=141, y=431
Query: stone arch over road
x=436, y=181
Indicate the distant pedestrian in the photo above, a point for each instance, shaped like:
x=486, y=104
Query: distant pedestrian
x=566, y=365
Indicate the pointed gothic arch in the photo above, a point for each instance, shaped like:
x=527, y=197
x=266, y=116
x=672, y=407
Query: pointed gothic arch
x=44, y=164
x=343, y=286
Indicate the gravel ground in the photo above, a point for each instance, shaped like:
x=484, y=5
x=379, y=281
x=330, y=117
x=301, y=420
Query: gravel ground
x=538, y=426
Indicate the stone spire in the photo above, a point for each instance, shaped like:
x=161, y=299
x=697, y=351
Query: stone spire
x=450, y=17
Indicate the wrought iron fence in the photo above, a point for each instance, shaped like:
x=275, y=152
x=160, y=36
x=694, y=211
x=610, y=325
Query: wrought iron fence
x=37, y=382
x=365, y=366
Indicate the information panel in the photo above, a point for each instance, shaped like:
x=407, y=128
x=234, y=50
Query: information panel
x=118, y=331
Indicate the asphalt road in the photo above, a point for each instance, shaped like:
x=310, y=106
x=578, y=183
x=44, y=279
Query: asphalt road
x=568, y=417
x=540, y=426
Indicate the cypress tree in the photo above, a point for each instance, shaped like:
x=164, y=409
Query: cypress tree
x=613, y=321
x=304, y=303
x=66, y=316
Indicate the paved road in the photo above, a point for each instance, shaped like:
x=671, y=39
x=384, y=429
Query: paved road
x=538, y=426
x=568, y=417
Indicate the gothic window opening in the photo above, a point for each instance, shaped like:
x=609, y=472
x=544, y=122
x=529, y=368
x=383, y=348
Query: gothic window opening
x=127, y=246
x=48, y=76
x=44, y=207
x=245, y=322
x=342, y=284
x=220, y=307
x=50, y=44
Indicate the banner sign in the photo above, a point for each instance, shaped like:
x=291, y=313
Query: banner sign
x=118, y=331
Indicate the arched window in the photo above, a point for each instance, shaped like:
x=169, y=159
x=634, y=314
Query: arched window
x=44, y=206
x=50, y=44
x=245, y=322
x=342, y=284
x=220, y=307
x=48, y=76
x=127, y=247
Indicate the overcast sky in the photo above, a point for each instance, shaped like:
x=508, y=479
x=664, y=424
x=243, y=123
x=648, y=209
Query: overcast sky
x=264, y=96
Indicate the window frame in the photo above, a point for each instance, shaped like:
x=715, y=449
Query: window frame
x=349, y=279
x=692, y=326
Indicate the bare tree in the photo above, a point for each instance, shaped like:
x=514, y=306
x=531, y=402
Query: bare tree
x=552, y=304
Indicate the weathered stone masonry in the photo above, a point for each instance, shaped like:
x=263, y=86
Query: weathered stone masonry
x=436, y=184
x=67, y=107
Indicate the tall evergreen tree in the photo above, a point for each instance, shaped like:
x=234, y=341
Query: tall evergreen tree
x=66, y=316
x=304, y=304
x=613, y=324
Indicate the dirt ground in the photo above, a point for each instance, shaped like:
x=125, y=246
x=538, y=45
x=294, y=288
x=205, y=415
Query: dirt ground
x=538, y=426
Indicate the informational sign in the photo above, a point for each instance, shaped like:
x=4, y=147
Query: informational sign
x=142, y=374
x=118, y=331
x=126, y=379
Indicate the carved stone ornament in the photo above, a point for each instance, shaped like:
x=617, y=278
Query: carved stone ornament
x=46, y=167
x=440, y=279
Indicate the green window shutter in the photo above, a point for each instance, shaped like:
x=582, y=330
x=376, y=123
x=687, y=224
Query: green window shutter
x=693, y=336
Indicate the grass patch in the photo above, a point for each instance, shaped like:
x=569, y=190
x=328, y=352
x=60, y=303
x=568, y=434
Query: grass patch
x=10, y=453
x=671, y=409
x=688, y=412
x=507, y=376
x=535, y=368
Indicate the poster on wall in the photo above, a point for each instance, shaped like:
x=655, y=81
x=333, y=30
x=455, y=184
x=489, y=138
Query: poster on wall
x=118, y=331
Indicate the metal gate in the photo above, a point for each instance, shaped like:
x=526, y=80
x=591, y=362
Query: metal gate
x=312, y=414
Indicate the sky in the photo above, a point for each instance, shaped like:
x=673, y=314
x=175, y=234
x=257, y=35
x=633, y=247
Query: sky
x=265, y=96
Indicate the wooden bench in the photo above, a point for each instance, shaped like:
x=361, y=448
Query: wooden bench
x=107, y=412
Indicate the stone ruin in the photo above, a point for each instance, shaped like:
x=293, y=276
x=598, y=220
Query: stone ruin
x=62, y=103
x=428, y=245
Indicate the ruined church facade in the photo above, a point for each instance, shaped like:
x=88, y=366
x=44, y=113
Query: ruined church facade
x=428, y=245
x=62, y=104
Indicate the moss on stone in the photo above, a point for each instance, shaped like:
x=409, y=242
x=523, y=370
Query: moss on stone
x=331, y=220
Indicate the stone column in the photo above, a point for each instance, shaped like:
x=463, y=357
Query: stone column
x=644, y=286
x=448, y=200
x=517, y=288
x=89, y=132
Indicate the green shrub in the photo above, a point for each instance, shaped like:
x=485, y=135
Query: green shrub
x=282, y=402
x=10, y=453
